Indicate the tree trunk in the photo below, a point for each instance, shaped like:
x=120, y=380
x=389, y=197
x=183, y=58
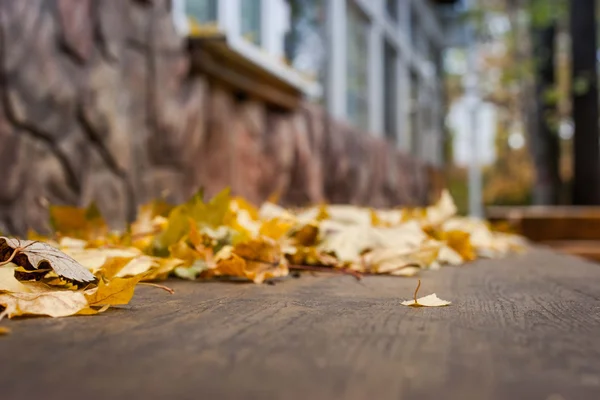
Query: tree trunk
x=544, y=141
x=586, y=148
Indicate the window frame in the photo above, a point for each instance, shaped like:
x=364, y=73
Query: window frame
x=229, y=27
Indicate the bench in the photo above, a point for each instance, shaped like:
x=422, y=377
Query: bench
x=574, y=230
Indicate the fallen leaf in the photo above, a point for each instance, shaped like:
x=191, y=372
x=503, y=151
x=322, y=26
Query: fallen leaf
x=58, y=303
x=212, y=214
x=139, y=265
x=118, y=291
x=428, y=301
x=33, y=255
x=4, y=330
x=257, y=260
x=275, y=228
x=460, y=242
x=94, y=259
x=193, y=271
x=9, y=283
x=441, y=211
x=113, y=267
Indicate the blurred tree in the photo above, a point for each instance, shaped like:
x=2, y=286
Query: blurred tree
x=544, y=142
x=586, y=149
x=525, y=73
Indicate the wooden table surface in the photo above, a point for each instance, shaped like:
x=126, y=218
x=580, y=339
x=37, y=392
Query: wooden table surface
x=526, y=327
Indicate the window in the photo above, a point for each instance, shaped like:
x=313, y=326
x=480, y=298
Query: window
x=357, y=39
x=251, y=20
x=414, y=25
x=201, y=12
x=391, y=7
x=414, y=113
x=390, y=93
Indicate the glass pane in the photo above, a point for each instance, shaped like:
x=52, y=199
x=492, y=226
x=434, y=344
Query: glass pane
x=414, y=113
x=202, y=12
x=392, y=8
x=390, y=99
x=305, y=44
x=357, y=39
x=414, y=25
x=251, y=20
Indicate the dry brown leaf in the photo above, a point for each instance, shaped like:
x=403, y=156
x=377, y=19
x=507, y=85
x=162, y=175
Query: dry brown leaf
x=33, y=255
x=4, y=330
x=257, y=260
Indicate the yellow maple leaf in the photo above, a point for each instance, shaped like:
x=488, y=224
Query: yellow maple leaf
x=461, y=242
x=118, y=291
x=113, y=266
x=212, y=214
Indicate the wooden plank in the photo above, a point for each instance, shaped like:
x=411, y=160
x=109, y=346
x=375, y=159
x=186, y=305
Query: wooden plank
x=555, y=223
x=523, y=327
x=504, y=212
x=589, y=249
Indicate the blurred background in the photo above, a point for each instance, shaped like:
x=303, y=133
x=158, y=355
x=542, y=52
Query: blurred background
x=484, y=88
x=371, y=102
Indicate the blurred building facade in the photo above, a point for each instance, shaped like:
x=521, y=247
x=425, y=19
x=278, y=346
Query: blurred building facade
x=122, y=102
x=376, y=64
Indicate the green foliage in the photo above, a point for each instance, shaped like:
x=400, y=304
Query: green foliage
x=545, y=12
x=581, y=85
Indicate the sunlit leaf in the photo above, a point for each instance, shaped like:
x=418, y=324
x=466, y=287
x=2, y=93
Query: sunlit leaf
x=32, y=255
x=52, y=303
x=117, y=291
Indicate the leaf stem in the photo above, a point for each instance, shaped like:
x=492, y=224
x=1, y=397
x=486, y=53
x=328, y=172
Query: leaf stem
x=344, y=271
x=165, y=288
x=417, y=291
x=12, y=256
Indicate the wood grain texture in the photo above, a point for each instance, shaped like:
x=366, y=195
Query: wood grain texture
x=527, y=327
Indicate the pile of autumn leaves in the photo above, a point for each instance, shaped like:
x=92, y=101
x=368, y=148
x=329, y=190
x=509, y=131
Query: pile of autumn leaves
x=85, y=268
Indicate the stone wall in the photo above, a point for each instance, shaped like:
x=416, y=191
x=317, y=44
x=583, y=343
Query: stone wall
x=98, y=104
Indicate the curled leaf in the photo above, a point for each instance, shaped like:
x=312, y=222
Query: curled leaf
x=32, y=255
